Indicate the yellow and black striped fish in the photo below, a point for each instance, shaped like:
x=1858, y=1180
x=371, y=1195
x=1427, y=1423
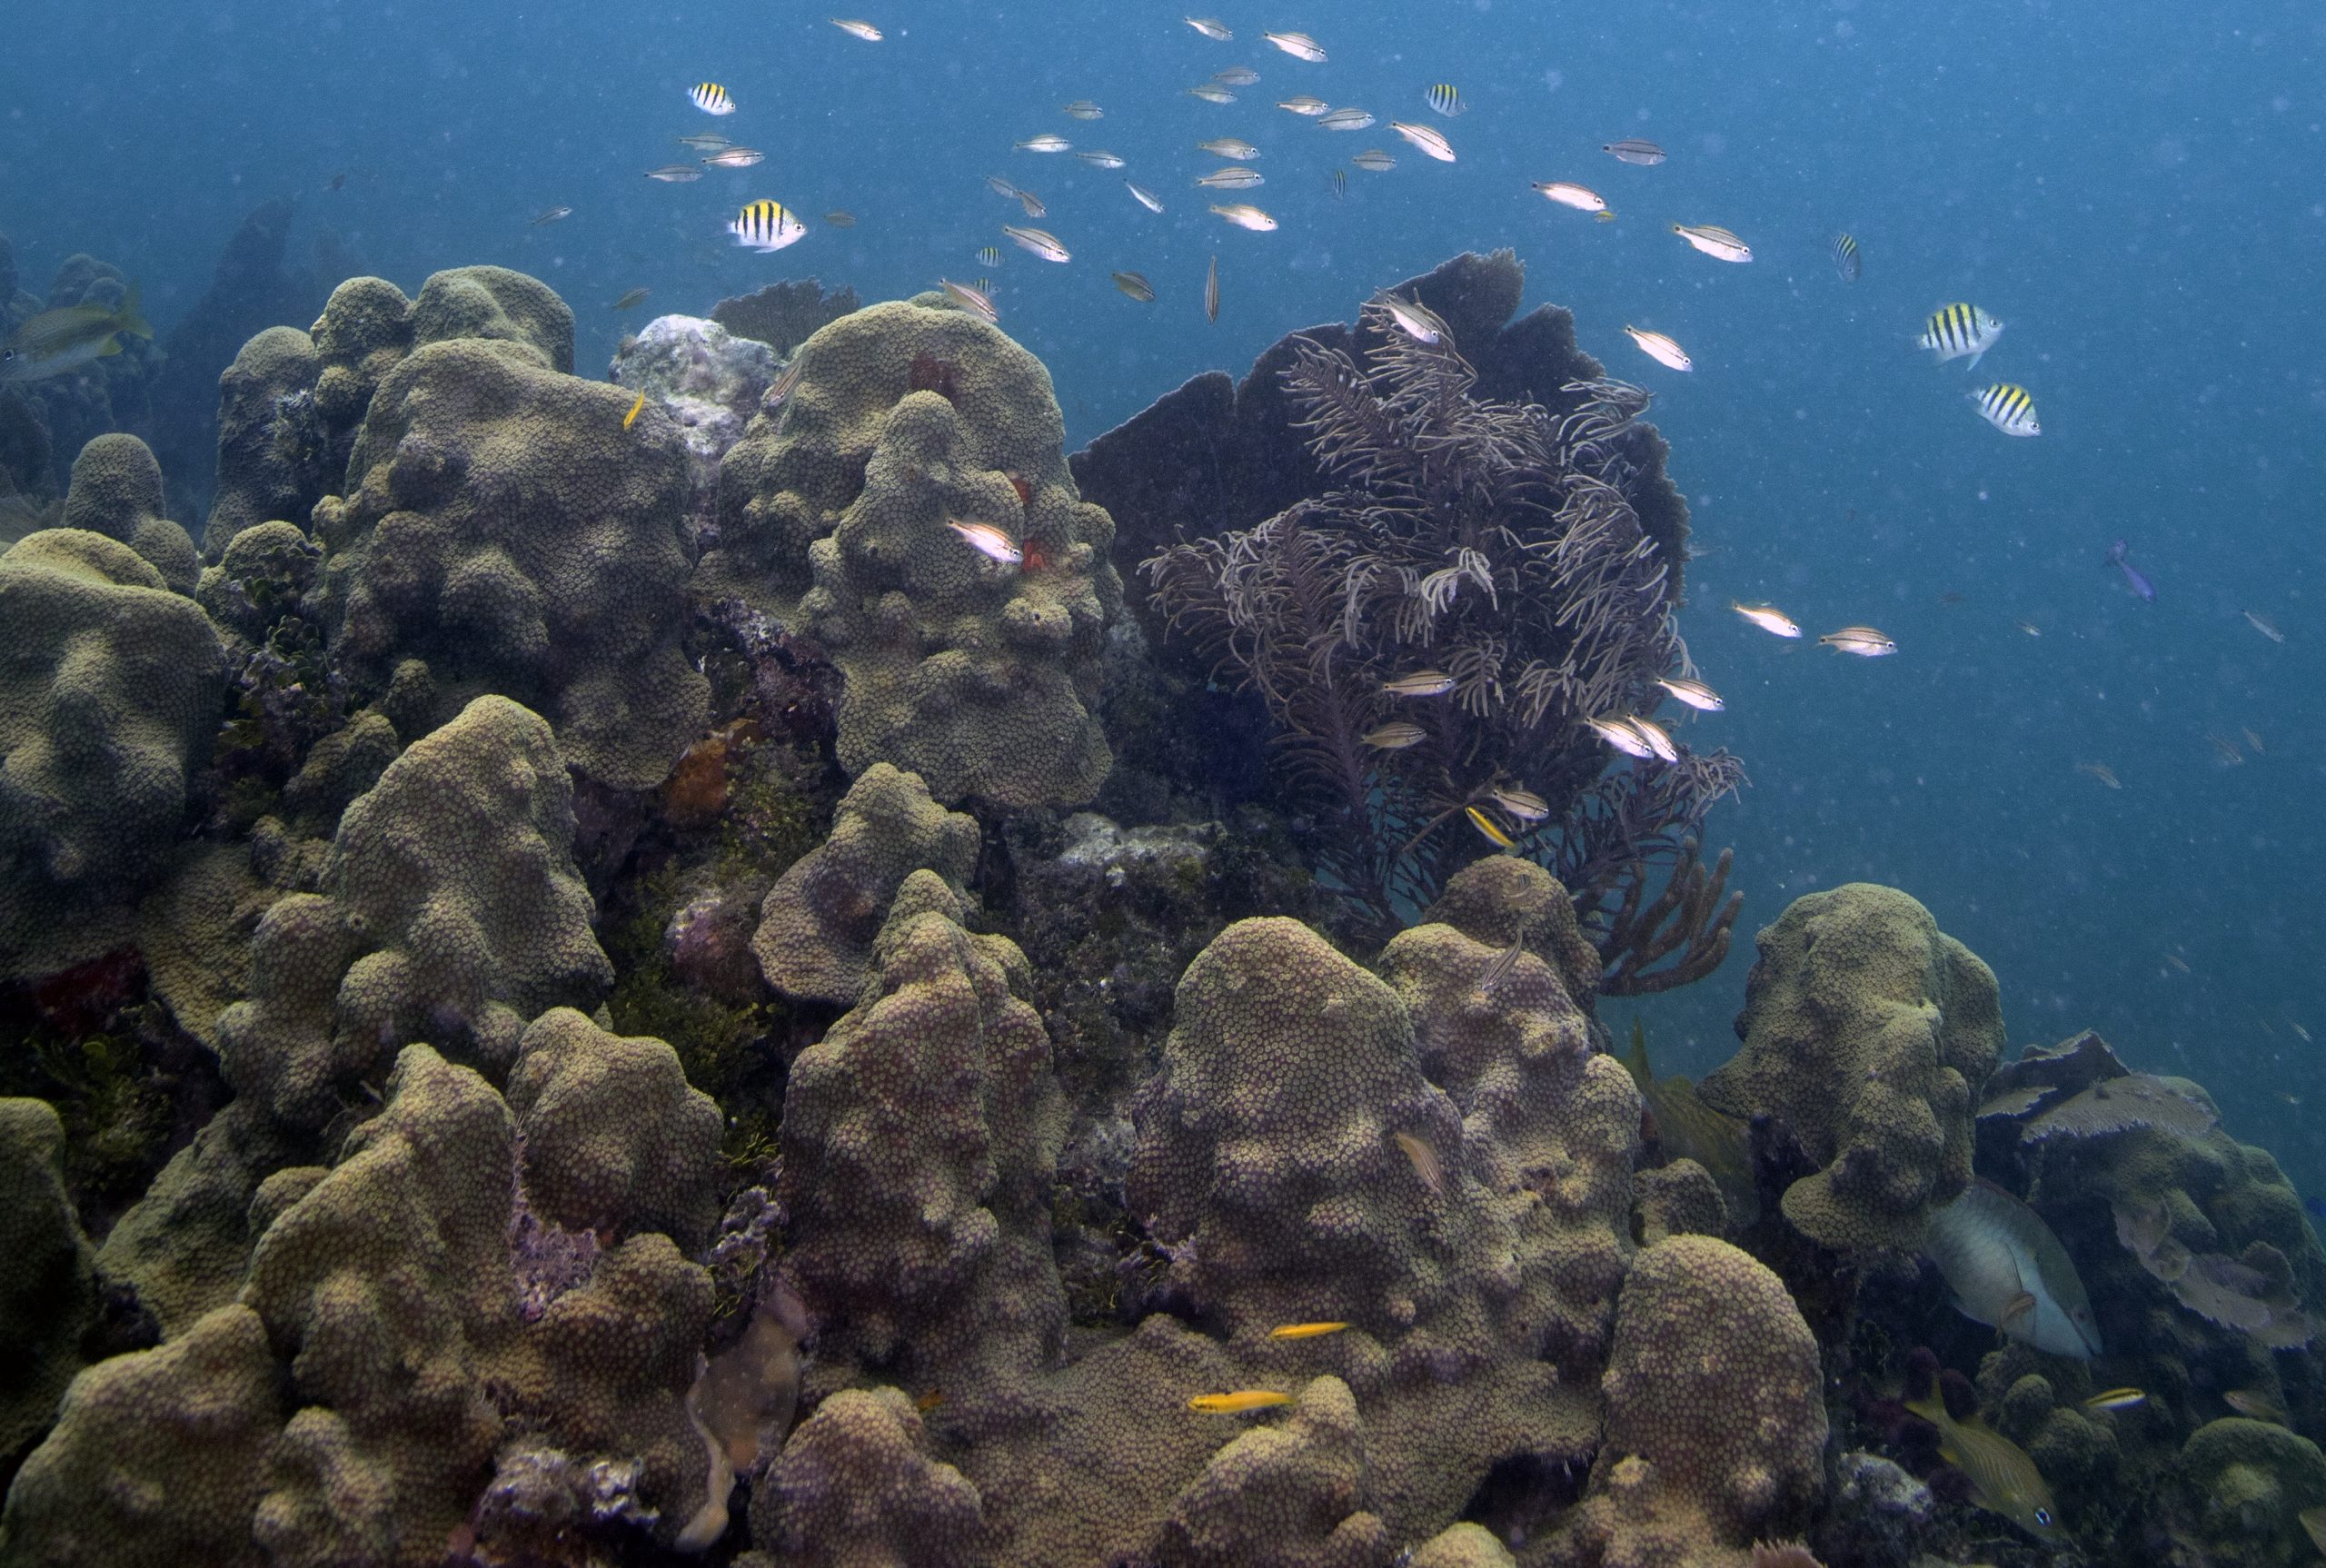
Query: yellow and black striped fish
x=990, y=255
x=1340, y=182
x=1846, y=257
x=765, y=225
x=1960, y=329
x=2009, y=409
x=711, y=98
x=1447, y=99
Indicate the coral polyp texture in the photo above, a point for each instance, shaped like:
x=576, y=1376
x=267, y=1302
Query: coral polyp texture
x=116, y=491
x=981, y=675
x=271, y=445
x=1866, y=1029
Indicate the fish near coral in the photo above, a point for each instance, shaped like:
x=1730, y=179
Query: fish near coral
x=2007, y=1270
x=2004, y=1480
x=1237, y=1403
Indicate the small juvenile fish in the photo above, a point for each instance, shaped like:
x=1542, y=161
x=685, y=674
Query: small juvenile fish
x=1633, y=150
x=1621, y=736
x=1846, y=257
x=1955, y=329
x=1341, y=183
x=1099, y=158
x=1421, y=324
x=1420, y=683
x=2117, y=1399
x=765, y=226
x=1299, y=45
x=1211, y=290
x=2029, y=628
x=1863, y=640
x=1658, y=740
x=631, y=298
x=2255, y=741
x=1136, y=286
x=1345, y=120
x=988, y=541
x=635, y=408
x=2102, y=772
x=551, y=215
x=1492, y=830
x=972, y=299
x=1305, y=1330
x=1084, y=109
x=2262, y=624
x=1395, y=736
x=2256, y=1404
x=1211, y=92
x=1304, y=104
x=1447, y=99
x=711, y=98
x=1768, y=618
x=1144, y=197
x=1237, y=1403
x=1582, y=198
x=2120, y=556
x=675, y=174
x=735, y=158
x=1232, y=177
x=2225, y=750
x=705, y=142
x=1694, y=693
x=1245, y=216
x=1031, y=203
x=1715, y=242
x=785, y=385
x=1229, y=147
x=2004, y=1480
x=1209, y=27
x=2177, y=962
x=1236, y=76
x=1428, y=140
x=841, y=218
x=1523, y=804
x=1048, y=141
x=990, y=255
x=2008, y=407
x=1661, y=349
x=1041, y=242
x=1424, y=1159
x=929, y=1401
x=1001, y=185
x=864, y=30
x=1374, y=161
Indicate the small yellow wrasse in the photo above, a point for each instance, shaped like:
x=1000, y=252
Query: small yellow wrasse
x=1768, y=618
x=1423, y=1160
x=1427, y=139
x=635, y=408
x=1305, y=1330
x=1661, y=349
x=1237, y=1403
x=2116, y=1399
x=1492, y=830
x=1715, y=242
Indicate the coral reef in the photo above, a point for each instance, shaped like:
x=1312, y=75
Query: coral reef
x=857, y=1486
x=116, y=491
x=784, y=315
x=980, y=675
x=272, y=447
x=48, y=1295
x=109, y=688
x=709, y=383
x=1866, y=1030
x=2244, y=1487
x=111, y=393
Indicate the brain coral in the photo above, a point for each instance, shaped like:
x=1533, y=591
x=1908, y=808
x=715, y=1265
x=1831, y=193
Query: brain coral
x=502, y=528
x=109, y=693
x=449, y=910
x=978, y=675
x=1866, y=1030
x=817, y=922
x=1715, y=1413
x=116, y=491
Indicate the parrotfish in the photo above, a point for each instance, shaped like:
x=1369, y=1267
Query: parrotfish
x=2008, y=1270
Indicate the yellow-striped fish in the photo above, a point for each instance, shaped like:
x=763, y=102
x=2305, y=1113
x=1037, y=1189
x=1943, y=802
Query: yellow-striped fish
x=2004, y=1480
x=1715, y=242
x=1447, y=99
x=1237, y=1403
x=764, y=227
x=1395, y=736
x=71, y=336
x=635, y=409
x=1099, y=158
x=1491, y=830
x=2009, y=409
x=2117, y=1399
x=1211, y=290
x=1305, y=1330
x=711, y=98
x=1959, y=329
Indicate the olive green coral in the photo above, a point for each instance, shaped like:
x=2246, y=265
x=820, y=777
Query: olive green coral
x=857, y=1487
x=47, y=1296
x=109, y=692
x=2244, y=1487
x=272, y=448
x=116, y=491
x=1283, y=1496
x=981, y=675
x=1866, y=1030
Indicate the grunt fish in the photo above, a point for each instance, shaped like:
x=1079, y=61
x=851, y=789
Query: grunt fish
x=1237, y=1403
x=1993, y=1250
x=69, y=337
x=2004, y=1480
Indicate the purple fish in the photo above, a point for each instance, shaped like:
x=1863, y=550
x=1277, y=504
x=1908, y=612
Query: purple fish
x=2134, y=578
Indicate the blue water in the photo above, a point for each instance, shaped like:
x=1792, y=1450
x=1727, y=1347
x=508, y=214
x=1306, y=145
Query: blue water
x=2136, y=190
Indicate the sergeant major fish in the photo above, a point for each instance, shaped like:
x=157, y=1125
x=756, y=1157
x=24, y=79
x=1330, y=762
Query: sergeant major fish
x=1959, y=329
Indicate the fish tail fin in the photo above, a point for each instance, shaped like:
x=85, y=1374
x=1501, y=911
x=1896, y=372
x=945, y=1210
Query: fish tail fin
x=1635, y=1059
x=1933, y=1407
x=129, y=320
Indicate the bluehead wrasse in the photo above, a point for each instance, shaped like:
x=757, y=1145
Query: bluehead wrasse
x=632, y=417
x=1236, y=1403
x=1492, y=830
x=1305, y=1330
x=2116, y=1399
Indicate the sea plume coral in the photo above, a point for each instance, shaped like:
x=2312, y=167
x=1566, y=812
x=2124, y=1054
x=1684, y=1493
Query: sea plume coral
x=1491, y=544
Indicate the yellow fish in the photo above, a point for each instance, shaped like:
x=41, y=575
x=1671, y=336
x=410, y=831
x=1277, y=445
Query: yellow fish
x=1305, y=1330
x=632, y=417
x=2004, y=1480
x=1492, y=830
x=1236, y=1403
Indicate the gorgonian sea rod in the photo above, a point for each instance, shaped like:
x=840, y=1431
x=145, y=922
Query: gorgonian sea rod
x=1492, y=544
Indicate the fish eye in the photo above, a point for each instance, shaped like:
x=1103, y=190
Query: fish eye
x=2043, y=1518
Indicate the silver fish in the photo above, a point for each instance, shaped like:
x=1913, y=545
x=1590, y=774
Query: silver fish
x=1345, y=120
x=1234, y=177
x=1995, y=1250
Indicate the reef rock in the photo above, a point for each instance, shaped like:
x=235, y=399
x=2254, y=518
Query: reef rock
x=707, y=382
x=273, y=449
x=1866, y=1030
x=835, y=516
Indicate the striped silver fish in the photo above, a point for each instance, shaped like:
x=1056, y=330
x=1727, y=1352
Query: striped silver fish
x=1233, y=177
x=1211, y=291
x=1715, y=242
x=1211, y=92
x=1846, y=257
x=2009, y=409
x=1428, y=140
x=1041, y=242
x=1633, y=150
x=1374, y=161
x=1299, y=45
x=766, y=227
x=1997, y=1255
x=1304, y=104
x=1959, y=329
x=1144, y=197
x=1345, y=120
x=1236, y=76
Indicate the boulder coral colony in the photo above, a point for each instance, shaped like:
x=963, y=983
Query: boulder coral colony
x=571, y=1001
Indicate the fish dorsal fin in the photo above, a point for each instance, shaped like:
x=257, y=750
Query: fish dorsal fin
x=112, y=346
